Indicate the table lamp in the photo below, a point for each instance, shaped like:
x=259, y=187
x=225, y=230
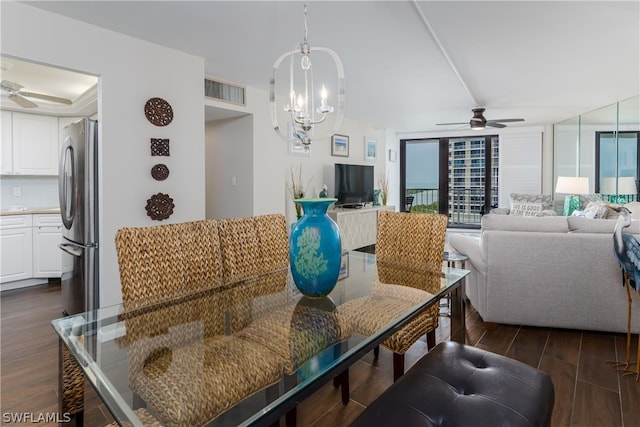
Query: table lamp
x=572, y=186
x=624, y=192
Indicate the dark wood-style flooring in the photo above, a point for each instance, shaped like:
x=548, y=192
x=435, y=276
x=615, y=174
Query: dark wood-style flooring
x=588, y=392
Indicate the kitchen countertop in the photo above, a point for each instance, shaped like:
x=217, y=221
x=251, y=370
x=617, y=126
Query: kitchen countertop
x=31, y=211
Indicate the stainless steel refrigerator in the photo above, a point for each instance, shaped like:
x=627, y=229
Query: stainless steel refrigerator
x=78, y=192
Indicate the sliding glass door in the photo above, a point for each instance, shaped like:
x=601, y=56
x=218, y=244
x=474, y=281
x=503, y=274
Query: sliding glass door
x=457, y=177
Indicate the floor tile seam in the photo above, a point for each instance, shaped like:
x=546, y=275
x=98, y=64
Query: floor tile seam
x=544, y=349
x=575, y=381
x=615, y=349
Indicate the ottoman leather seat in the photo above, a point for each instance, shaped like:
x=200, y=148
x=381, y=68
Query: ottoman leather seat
x=459, y=385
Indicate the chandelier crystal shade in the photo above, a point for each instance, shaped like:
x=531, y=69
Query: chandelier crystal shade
x=301, y=110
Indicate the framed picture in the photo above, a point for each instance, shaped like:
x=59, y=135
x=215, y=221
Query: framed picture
x=393, y=155
x=370, y=149
x=369, y=261
x=340, y=145
x=296, y=148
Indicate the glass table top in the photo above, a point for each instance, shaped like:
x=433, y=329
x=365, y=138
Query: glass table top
x=243, y=352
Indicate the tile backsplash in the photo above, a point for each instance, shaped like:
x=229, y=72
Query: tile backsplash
x=35, y=192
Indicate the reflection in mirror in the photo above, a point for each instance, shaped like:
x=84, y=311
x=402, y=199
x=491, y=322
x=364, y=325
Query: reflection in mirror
x=602, y=145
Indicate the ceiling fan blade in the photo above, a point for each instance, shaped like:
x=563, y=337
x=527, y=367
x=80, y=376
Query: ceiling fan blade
x=457, y=123
x=23, y=102
x=46, y=97
x=11, y=86
x=495, y=125
x=507, y=120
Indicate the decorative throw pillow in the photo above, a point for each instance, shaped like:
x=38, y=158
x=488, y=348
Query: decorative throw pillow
x=544, y=199
x=584, y=214
x=585, y=199
x=526, y=209
x=599, y=209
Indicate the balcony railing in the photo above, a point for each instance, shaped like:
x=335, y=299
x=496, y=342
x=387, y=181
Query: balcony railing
x=465, y=204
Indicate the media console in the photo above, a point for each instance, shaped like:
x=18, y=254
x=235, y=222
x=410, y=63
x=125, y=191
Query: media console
x=358, y=227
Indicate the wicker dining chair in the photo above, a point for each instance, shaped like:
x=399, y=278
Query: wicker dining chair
x=182, y=363
x=255, y=255
x=409, y=252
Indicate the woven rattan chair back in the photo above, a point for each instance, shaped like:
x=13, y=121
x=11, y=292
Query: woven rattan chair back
x=415, y=242
x=253, y=245
x=255, y=255
x=166, y=261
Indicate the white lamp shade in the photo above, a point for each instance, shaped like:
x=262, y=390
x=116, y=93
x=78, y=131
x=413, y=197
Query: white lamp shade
x=626, y=185
x=572, y=185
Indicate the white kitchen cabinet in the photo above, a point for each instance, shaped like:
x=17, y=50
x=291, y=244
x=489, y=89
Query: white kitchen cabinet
x=6, y=153
x=34, y=144
x=16, y=248
x=47, y=256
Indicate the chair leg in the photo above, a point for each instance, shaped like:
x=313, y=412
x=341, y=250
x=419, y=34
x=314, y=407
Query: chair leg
x=398, y=366
x=344, y=386
x=291, y=418
x=376, y=352
x=431, y=339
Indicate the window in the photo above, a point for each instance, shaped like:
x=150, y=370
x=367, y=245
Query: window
x=463, y=171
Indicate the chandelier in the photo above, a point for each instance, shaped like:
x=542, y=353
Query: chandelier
x=293, y=99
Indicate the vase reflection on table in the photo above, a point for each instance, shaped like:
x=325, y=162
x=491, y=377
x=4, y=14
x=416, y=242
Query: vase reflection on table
x=315, y=249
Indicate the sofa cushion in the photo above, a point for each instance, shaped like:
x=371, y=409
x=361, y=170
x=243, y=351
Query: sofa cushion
x=545, y=199
x=525, y=209
x=598, y=226
x=549, y=224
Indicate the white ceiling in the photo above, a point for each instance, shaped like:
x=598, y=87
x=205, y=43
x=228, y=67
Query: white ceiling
x=542, y=61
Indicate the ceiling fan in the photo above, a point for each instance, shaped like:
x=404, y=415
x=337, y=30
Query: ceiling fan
x=17, y=95
x=478, y=121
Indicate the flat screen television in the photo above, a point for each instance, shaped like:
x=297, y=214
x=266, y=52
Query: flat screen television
x=353, y=185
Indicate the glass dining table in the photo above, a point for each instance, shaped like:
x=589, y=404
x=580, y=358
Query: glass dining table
x=244, y=353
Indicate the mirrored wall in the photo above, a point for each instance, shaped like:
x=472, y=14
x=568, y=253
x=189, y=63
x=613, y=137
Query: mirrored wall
x=603, y=145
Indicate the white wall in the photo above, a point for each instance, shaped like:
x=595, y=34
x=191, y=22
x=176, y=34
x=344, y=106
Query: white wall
x=130, y=72
x=229, y=172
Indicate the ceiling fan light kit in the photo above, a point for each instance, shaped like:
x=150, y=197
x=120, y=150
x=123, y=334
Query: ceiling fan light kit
x=479, y=122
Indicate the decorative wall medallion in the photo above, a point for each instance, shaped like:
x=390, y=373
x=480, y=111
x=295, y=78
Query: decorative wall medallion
x=160, y=206
x=158, y=111
x=160, y=172
x=160, y=146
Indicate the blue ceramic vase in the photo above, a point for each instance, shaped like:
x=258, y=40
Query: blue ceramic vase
x=314, y=249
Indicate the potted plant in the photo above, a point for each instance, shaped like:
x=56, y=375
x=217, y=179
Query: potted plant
x=297, y=190
x=383, y=182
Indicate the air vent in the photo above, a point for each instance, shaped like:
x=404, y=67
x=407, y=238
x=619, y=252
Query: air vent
x=223, y=91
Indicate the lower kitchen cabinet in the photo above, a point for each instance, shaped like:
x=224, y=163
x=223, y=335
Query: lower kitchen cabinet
x=29, y=248
x=47, y=256
x=16, y=248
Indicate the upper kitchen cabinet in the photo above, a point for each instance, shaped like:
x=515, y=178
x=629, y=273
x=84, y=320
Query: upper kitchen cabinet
x=33, y=145
x=6, y=152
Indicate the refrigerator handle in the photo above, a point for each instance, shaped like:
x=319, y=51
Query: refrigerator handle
x=66, y=194
x=71, y=249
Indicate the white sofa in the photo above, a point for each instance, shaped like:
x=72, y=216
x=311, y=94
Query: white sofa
x=547, y=271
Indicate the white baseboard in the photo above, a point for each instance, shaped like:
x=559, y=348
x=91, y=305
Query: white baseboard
x=17, y=284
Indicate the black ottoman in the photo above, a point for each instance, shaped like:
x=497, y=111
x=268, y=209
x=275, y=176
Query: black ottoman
x=459, y=385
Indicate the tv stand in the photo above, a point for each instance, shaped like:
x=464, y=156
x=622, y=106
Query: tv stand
x=358, y=227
